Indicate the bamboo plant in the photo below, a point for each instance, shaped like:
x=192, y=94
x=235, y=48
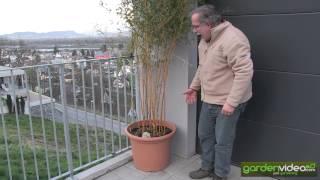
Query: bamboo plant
x=156, y=26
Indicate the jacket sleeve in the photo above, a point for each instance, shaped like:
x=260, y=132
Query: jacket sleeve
x=239, y=59
x=195, y=84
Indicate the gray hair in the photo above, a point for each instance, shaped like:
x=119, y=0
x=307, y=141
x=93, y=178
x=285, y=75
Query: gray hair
x=208, y=14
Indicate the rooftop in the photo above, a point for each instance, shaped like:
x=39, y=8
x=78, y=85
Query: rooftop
x=5, y=71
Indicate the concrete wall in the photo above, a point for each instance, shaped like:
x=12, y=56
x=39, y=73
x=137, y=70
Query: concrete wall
x=181, y=72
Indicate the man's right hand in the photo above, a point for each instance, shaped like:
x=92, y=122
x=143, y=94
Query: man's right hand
x=191, y=96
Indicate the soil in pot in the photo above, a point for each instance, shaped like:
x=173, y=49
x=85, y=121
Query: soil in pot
x=154, y=130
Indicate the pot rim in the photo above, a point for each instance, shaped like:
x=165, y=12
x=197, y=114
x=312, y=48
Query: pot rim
x=168, y=124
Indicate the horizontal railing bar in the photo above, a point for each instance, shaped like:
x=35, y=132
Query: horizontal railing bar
x=56, y=64
x=92, y=162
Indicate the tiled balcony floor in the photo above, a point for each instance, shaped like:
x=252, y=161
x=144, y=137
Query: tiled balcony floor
x=177, y=170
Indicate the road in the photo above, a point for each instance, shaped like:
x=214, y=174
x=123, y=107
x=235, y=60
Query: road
x=93, y=119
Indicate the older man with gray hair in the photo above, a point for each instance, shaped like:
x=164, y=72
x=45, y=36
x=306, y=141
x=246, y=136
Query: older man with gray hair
x=224, y=77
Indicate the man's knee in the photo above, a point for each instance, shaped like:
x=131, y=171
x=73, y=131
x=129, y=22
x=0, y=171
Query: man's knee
x=225, y=139
x=205, y=135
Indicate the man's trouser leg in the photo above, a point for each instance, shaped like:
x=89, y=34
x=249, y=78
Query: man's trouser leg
x=225, y=131
x=206, y=133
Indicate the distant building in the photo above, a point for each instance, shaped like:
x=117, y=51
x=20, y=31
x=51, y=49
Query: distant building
x=13, y=58
x=58, y=59
x=81, y=63
x=7, y=88
x=102, y=55
x=5, y=78
x=19, y=89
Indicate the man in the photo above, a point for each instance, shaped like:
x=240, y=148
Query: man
x=224, y=78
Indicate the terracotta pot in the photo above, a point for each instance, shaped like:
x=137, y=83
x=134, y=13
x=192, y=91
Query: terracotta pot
x=151, y=154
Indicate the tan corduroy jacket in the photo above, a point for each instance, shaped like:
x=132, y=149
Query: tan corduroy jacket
x=225, y=67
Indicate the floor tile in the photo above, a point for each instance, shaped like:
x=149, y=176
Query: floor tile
x=178, y=169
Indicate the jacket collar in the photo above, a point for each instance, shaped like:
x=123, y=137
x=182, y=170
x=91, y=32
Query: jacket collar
x=217, y=31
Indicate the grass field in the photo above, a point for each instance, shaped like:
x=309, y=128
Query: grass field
x=27, y=147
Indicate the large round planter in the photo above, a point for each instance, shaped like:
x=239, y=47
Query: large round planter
x=151, y=154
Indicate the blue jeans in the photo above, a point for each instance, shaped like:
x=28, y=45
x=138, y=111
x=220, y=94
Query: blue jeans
x=216, y=133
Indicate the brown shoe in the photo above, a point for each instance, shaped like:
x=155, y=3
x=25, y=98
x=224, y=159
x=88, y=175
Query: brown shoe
x=200, y=173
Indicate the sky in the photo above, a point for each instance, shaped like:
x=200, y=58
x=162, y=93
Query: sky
x=82, y=16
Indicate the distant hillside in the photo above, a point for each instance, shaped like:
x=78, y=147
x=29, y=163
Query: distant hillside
x=47, y=35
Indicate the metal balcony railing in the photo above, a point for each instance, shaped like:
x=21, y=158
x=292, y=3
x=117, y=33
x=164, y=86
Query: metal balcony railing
x=65, y=117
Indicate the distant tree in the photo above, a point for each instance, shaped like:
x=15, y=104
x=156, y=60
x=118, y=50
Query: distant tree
x=32, y=78
x=17, y=105
x=38, y=59
x=9, y=103
x=22, y=102
x=82, y=52
x=120, y=46
x=92, y=53
x=20, y=57
x=55, y=49
x=120, y=63
x=2, y=61
x=104, y=48
x=34, y=52
x=88, y=53
x=74, y=53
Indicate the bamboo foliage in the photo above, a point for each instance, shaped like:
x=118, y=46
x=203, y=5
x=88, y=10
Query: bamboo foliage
x=156, y=25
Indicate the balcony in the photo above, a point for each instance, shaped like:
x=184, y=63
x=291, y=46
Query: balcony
x=71, y=121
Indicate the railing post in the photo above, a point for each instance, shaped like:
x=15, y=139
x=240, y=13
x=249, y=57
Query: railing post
x=31, y=128
x=118, y=104
x=13, y=90
x=110, y=107
x=85, y=111
x=65, y=120
x=77, y=118
x=94, y=110
x=5, y=135
x=54, y=121
x=102, y=94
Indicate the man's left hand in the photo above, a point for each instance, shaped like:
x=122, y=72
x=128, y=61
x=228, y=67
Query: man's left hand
x=227, y=109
